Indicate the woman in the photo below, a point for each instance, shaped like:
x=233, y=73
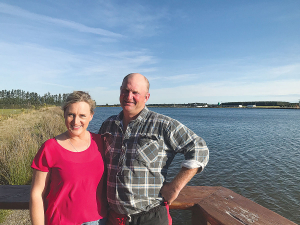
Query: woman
x=68, y=185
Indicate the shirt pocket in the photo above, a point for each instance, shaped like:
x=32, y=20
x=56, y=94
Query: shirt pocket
x=147, y=148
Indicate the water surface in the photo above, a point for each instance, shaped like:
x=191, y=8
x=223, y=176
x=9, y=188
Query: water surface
x=254, y=152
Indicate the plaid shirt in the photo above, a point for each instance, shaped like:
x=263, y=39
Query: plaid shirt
x=138, y=159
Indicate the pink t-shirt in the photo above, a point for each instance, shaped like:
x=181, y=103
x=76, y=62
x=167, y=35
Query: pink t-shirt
x=77, y=191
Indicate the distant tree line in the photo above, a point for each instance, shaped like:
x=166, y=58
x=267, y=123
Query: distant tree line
x=178, y=105
x=260, y=103
x=14, y=99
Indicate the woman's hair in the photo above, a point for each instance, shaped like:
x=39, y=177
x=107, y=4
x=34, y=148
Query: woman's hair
x=79, y=96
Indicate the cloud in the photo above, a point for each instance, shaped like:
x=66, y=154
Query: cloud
x=175, y=78
x=104, y=95
x=18, y=12
x=285, y=70
x=34, y=61
x=59, y=70
x=54, y=84
x=136, y=19
x=228, y=91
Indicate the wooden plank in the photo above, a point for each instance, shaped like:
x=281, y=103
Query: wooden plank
x=225, y=207
x=209, y=205
x=14, y=196
x=191, y=195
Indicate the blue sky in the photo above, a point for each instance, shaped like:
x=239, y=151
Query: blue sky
x=191, y=51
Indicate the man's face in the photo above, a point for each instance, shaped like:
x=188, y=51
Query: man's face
x=134, y=95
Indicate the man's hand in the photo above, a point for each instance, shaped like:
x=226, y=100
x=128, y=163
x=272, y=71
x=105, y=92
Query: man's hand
x=169, y=192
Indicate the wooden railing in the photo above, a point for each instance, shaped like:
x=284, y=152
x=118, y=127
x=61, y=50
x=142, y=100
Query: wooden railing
x=209, y=206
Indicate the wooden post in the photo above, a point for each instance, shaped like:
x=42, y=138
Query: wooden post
x=198, y=218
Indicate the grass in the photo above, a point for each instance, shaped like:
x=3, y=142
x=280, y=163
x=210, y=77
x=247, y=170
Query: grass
x=4, y=213
x=11, y=113
x=20, y=139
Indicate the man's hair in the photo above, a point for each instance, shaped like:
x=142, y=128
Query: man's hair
x=79, y=96
x=127, y=76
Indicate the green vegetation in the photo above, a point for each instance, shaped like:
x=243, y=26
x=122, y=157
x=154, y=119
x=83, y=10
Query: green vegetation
x=19, y=146
x=16, y=99
x=20, y=139
x=11, y=113
x=262, y=104
x=3, y=214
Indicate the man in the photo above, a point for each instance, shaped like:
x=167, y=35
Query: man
x=140, y=146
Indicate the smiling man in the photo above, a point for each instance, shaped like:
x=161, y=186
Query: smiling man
x=140, y=146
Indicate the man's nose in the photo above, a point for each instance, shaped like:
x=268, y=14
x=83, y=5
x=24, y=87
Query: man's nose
x=129, y=95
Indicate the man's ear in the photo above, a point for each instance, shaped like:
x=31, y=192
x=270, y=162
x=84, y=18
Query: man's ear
x=147, y=97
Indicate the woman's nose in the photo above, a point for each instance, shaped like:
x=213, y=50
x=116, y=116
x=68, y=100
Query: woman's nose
x=76, y=119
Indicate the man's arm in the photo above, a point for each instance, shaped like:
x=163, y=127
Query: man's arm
x=182, y=140
x=170, y=191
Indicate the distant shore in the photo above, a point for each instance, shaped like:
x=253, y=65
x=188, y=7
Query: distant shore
x=208, y=106
x=250, y=104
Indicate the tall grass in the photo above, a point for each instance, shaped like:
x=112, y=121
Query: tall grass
x=11, y=113
x=19, y=147
x=20, y=140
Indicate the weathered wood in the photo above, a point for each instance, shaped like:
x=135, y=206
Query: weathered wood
x=190, y=195
x=221, y=206
x=14, y=196
x=198, y=218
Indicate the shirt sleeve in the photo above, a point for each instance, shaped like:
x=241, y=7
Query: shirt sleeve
x=185, y=141
x=40, y=161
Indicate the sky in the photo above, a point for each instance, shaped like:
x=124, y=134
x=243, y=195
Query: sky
x=206, y=51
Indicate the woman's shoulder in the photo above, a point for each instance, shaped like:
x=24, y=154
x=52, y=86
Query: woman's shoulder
x=96, y=136
x=49, y=143
x=46, y=151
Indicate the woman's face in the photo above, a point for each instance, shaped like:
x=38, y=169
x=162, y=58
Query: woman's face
x=77, y=118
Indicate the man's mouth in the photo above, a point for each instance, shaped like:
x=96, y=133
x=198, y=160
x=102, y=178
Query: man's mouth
x=126, y=102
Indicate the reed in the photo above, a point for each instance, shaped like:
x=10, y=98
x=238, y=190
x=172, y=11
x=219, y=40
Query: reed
x=20, y=139
x=19, y=146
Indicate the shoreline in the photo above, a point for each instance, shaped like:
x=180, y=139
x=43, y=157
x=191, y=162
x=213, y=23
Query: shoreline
x=208, y=107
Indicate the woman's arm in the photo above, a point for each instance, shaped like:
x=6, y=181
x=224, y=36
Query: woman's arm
x=39, y=184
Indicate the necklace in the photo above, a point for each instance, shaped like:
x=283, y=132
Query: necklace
x=74, y=146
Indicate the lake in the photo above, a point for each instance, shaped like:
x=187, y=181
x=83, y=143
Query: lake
x=253, y=152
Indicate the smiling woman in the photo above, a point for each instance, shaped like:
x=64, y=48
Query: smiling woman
x=68, y=171
x=77, y=118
